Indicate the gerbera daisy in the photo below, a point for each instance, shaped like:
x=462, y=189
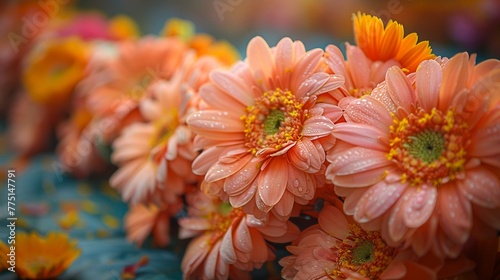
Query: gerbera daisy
x=420, y=155
x=42, y=258
x=338, y=248
x=381, y=43
x=125, y=80
x=155, y=156
x=229, y=243
x=262, y=131
x=142, y=220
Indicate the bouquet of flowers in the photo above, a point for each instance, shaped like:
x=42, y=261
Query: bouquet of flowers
x=380, y=162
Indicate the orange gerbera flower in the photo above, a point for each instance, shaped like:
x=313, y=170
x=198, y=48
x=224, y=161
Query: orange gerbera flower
x=42, y=258
x=379, y=43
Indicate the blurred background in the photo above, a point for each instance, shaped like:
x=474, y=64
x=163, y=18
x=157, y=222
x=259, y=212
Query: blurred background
x=450, y=25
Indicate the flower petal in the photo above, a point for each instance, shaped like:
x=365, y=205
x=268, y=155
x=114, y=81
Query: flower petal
x=399, y=88
x=481, y=187
x=305, y=67
x=377, y=200
x=455, y=213
x=273, y=181
x=215, y=120
x=419, y=205
x=222, y=170
x=317, y=126
x=260, y=61
x=428, y=82
x=232, y=85
x=455, y=78
x=370, y=111
x=361, y=135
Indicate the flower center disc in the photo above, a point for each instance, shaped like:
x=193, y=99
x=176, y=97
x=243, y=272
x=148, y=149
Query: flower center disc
x=429, y=147
x=363, y=252
x=274, y=121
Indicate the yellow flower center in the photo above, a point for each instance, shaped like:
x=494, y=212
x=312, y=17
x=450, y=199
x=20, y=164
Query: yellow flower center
x=363, y=252
x=221, y=220
x=274, y=121
x=429, y=147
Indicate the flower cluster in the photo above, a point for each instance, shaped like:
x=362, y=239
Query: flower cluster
x=390, y=153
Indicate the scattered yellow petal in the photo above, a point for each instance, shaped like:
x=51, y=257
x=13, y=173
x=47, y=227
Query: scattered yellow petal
x=69, y=220
x=89, y=207
x=111, y=221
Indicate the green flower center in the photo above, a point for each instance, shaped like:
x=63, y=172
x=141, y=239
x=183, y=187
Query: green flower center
x=274, y=121
x=427, y=145
x=363, y=253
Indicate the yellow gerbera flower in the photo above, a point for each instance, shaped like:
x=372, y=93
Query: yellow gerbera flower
x=40, y=258
x=54, y=68
x=379, y=43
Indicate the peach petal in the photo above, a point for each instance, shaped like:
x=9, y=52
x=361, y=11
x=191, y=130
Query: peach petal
x=260, y=60
x=205, y=160
x=363, y=178
x=227, y=252
x=232, y=85
x=238, y=182
x=219, y=100
x=317, y=126
x=284, y=206
x=370, y=111
x=377, y=200
x=378, y=70
x=273, y=181
x=419, y=205
x=455, y=77
x=395, y=270
x=333, y=222
x=242, y=240
x=222, y=170
x=352, y=200
x=332, y=112
x=300, y=184
x=357, y=159
x=259, y=251
x=486, y=141
x=214, y=120
x=211, y=262
x=195, y=254
x=298, y=156
x=305, y=67
x=335, y=60
x=395, y=222
x=243, y=198
x=428, y=82
x=284, y=60
x=481, y=187
x=455, y=213
x=357, y=61
x=122, y=175
x=423, y=237
x=361, y=134
x=399, y=88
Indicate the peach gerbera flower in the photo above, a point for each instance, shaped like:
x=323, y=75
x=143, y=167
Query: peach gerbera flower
x=42, y=258
x=381, y=43
x=338, y=248
x=420, y=155
x=155, y=156
x=263, y=133
x=125, y=80
x=230, y=243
